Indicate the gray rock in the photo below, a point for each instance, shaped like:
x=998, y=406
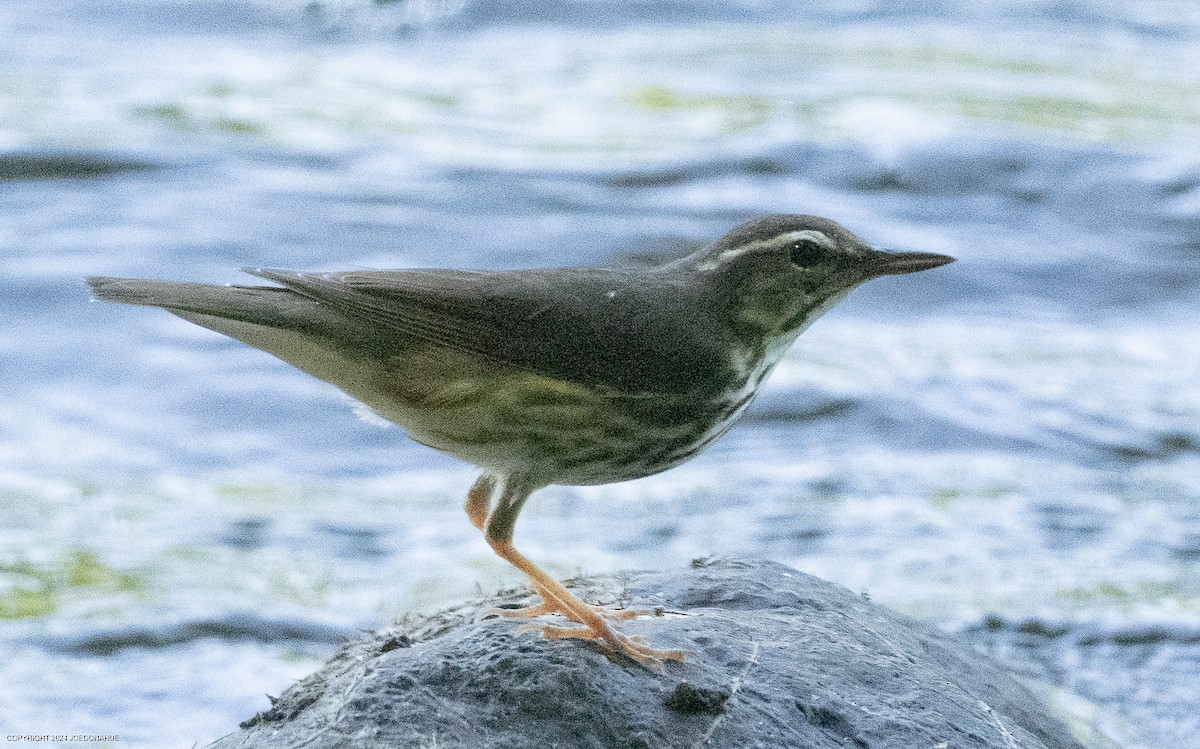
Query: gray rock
x=780, y=659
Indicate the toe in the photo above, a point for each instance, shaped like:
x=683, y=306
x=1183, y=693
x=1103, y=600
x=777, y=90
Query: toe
x=525, y=612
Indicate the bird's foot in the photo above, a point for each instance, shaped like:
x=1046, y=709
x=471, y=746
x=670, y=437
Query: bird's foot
x=632, y=647
x=593, y=621
x=540, y=609
x=594, y=626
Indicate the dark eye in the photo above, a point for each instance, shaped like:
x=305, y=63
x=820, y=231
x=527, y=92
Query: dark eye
x=805, y=252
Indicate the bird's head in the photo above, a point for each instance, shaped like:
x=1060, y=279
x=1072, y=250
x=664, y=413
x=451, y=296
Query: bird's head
x=775, y=275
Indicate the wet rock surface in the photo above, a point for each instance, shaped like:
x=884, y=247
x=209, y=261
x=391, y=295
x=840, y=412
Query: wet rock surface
x=779, y=659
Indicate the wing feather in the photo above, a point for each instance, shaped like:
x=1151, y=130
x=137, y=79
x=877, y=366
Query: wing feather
x=631, y=331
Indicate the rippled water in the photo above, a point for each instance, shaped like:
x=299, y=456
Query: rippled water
x=1007, y=446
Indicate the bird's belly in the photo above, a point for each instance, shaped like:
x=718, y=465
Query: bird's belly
x=509, y=420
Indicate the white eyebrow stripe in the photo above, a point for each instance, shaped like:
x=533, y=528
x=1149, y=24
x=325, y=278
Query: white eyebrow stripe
x=819, y=237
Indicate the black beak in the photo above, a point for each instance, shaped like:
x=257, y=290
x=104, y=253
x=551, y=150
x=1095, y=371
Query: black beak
x=888, y=263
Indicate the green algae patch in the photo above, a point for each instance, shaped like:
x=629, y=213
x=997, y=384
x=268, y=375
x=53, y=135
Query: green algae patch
x=733, y=112
x=1127, y=595
x=249, y=491
x=26, y=603
x=31, y=590
x=238, y=126
x=171, y=115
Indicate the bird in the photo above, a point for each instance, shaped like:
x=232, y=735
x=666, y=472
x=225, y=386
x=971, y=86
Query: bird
x=551, y=376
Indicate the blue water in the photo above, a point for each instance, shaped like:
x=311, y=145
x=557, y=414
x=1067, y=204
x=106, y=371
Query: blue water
x=1007, y=446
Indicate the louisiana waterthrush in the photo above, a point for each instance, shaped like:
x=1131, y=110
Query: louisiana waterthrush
x=551, y=376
